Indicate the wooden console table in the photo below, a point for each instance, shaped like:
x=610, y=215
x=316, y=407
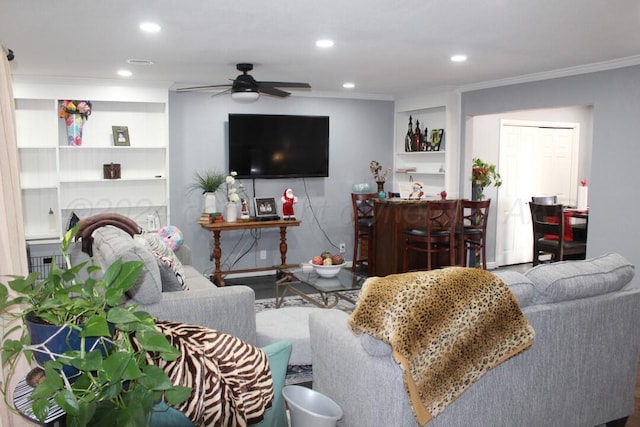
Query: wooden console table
x=219, y=227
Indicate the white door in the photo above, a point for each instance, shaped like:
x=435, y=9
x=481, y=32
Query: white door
x=535, y=159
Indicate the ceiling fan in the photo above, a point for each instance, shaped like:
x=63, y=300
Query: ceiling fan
x=245, y=88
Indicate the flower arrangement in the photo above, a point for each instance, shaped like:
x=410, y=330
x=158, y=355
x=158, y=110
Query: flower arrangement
x=483, y=175
x=376, y=170
x=232, y=192
x=74, y=107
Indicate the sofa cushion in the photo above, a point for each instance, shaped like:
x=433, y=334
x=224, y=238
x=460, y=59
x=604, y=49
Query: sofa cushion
x=111, y=243
x=567, y=280
x=520, y=285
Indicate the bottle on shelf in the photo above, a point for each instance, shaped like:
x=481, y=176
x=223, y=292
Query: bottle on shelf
x=418, y=138
x=408, y=139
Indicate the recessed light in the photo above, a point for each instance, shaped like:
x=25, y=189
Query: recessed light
x=348, y=85
x=149, y=27
x=139, y=62
x=459, y=58
x=125, y=73
x=324, y=43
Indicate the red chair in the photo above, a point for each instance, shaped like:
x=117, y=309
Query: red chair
x=472, y=229
x=437, y=237
x=363, y=248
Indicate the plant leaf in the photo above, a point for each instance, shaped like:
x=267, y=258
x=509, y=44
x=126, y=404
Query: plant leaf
x=154, y=341
x=40, y=408
x=155, y=378
x=177, y=395
x=68, y=402
x=96, y=326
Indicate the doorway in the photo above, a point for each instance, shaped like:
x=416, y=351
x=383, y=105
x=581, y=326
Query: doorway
x=536, y=158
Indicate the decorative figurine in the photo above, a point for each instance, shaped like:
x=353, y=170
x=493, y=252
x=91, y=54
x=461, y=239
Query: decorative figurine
x=288, y=199
x=417, y=192
x=245, y=209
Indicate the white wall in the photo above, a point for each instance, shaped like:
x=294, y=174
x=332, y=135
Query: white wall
x=360, y=131
x=615, y=97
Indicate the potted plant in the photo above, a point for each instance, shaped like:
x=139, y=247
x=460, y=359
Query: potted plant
x=113, y=380
x=208, y=182
x=483, y=175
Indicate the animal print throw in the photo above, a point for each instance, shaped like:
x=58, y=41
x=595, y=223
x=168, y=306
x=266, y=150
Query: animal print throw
x=446, y=327
x=231, y=380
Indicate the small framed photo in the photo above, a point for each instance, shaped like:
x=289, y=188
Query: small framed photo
x=120, y=136
x=265, y=207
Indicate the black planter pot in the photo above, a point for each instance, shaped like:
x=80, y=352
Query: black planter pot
x=56, y=340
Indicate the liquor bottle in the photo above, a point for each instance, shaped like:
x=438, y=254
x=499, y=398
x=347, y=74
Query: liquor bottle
x=418, y=138
x=408, y=139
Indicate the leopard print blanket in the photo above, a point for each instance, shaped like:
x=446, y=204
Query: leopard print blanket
x=446, y=328
x=231, y=380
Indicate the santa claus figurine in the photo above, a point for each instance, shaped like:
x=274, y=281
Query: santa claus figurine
x=417, y=192
x=288, y=199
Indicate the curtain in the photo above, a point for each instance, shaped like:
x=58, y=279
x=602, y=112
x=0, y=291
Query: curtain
x=13, y=256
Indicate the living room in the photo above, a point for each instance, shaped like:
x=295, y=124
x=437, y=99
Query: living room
x=363, y=127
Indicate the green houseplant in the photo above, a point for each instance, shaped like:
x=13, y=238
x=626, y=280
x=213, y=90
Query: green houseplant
x=483, y=175
x=208, y=182
x=114, y=383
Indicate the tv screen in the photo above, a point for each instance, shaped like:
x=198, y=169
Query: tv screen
x=278, y=146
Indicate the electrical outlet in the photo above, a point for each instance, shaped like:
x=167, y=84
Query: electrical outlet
x=263, y=254
x=343, y=248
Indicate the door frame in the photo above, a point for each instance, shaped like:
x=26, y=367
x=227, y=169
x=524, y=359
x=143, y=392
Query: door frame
x=501, y=210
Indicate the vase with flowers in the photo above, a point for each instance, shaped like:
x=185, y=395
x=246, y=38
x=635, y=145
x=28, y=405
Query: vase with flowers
x=74, y=113
x=379, y=174
x=233, y=196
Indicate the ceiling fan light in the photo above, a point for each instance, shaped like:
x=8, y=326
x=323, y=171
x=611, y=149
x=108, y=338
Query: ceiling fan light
x=245, y=97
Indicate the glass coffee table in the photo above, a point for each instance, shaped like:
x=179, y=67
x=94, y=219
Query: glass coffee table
x=331, y=290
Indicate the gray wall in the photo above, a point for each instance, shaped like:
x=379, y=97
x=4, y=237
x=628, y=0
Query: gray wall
x=615, y=97
x=360, y=131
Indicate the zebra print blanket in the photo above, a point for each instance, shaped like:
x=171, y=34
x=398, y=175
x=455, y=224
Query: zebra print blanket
x=231, y=380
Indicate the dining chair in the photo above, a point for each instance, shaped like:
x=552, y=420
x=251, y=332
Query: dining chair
x=437, y=237
x=363, y=224
x=545, y=200
x=471, y=230
x=550, y=234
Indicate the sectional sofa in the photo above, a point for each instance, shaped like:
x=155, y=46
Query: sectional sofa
x=580, y=370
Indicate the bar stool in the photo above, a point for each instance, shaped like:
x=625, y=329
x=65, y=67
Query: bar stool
x=363, y=230
x=472, y=229
x=438, y=236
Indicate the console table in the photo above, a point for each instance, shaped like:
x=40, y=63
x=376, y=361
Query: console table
x=218, y=227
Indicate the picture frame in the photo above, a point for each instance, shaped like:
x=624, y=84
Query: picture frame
x=265, y=207
x=120, y=136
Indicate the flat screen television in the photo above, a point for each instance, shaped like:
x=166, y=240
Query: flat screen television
x=278, y=146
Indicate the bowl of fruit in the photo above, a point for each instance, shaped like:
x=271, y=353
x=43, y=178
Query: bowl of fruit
x=327, y=265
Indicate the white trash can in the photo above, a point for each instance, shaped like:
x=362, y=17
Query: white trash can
x=308, y=408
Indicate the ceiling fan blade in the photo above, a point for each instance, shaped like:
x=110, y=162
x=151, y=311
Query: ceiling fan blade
x=273, y=91
x=285, y=84
x=224, y=92
x=202, y=88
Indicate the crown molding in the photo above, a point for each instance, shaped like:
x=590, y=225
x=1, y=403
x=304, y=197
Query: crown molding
x=564, y=72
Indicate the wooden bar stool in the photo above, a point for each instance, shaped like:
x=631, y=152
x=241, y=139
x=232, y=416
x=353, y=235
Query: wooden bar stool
x=363, y=230
x=438, y=236
x=472, y=229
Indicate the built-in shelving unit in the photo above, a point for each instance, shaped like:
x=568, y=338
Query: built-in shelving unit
x=67, y=179
x=427, y=167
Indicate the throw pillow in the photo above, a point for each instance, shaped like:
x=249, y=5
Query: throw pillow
x=159, y=247
x=172, y=236
x=170, y=281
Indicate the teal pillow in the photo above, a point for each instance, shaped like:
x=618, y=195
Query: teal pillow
x=278, y=355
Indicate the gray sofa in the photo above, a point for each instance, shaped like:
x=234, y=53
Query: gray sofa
x=580, y=370
x=227, y=309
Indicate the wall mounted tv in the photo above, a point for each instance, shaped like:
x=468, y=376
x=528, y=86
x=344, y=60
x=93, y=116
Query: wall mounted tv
x=278, y=146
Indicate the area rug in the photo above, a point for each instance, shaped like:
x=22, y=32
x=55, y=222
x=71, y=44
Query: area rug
x=298, y=374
